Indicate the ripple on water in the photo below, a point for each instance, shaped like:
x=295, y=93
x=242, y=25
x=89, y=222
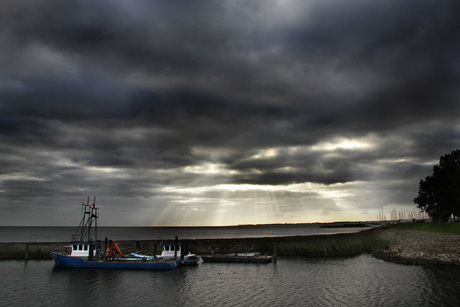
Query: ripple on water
x=356, y=281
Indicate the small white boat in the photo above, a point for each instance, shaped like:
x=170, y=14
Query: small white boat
x=172, y=251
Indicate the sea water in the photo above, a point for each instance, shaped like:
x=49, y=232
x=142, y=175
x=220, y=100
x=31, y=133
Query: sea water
x=64, y=234
x=351, y=281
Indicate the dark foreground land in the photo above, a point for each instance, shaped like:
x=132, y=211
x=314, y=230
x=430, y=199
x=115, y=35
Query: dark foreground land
x=430, y=243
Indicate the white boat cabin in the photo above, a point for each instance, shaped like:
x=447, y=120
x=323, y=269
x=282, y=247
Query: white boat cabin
x=168, y=250
x=82, y=249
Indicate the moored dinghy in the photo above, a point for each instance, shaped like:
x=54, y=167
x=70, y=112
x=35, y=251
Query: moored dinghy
x=173, y=250
x=169, y=252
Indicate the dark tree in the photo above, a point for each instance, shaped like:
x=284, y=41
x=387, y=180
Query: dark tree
x=439, y=194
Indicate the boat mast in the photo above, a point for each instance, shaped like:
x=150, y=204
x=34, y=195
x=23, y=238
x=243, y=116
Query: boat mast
x=89, y=218
x=95, y=215
x=93, y=220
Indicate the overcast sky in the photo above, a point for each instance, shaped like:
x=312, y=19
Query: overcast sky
x=223, y=112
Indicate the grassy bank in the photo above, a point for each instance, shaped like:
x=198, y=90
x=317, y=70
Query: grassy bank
x=304, y=246
x=325, y=247
x=447, y=228
x=22, y=251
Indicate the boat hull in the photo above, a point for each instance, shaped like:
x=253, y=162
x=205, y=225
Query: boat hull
x=189, y=260
x=124, y=263
x=193, y=261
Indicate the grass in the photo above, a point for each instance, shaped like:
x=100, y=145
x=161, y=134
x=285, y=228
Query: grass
x=21, y=253
x=327, y=247
x=447, y=228
x=308, y=246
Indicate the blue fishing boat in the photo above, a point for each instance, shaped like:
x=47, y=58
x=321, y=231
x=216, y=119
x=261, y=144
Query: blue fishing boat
x=84, y=251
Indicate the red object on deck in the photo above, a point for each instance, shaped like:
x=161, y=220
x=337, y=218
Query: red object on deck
x=114, y=248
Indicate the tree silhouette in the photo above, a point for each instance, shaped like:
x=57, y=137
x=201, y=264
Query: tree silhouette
x=439, y=194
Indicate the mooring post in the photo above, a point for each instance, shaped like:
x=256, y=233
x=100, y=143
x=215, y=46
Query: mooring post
x=274, y=252
x=175, y=247
x=183, y=250
x=26, y=255
x=104, y=252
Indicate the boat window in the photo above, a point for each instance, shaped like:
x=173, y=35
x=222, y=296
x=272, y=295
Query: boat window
x=80, y=247
x=75, y=247
x=86, y=247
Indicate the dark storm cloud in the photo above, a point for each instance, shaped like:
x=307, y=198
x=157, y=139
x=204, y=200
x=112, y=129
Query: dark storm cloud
x=123, y=99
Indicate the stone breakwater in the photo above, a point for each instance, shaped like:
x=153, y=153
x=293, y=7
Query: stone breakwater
x=420, y=247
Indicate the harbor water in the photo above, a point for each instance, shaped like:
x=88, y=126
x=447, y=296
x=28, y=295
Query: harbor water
x=351, y=281
x=355, y=281
x=64, y=234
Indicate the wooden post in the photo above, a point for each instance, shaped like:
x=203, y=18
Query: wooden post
x=275, y=251
x=175, y=248
x=90, y=252
x=26, y=256
x=104, y=251
x=183, y=250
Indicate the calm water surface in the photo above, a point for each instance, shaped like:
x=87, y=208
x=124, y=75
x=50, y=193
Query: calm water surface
x=64, y=234
x=357, y=281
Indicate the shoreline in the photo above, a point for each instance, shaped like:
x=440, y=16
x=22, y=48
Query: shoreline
x=415, y=247
x=342, y=244
x=407, y=247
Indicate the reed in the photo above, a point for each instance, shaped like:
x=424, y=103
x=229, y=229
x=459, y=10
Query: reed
x=24, y=253
x=327, y=247
x=305, y=246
